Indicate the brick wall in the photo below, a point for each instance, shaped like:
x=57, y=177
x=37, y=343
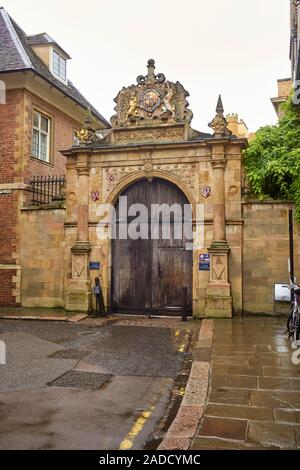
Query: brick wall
x=18, y=166
x=8, y=221
x=10, y=117
x=9, y=124
x=7, y=286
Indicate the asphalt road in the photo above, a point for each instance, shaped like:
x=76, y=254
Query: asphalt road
x=81, y=386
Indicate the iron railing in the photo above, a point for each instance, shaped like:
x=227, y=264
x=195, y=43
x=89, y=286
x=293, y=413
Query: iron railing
x=46, y=189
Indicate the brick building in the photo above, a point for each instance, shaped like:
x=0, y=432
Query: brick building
x=40, y=111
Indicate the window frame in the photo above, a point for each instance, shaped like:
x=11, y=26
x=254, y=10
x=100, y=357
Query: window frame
x=58, y=65
x=48, y=134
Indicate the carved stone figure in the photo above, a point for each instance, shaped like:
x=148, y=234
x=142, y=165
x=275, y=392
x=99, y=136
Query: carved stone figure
x=133, y=108
x=168, y=106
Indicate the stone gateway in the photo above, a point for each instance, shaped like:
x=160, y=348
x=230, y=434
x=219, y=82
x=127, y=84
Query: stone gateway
x=152, y=155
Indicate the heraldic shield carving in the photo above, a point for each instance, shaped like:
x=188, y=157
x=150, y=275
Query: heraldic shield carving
x=151, y=102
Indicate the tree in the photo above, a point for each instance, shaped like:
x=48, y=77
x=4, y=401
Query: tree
x=272, y=160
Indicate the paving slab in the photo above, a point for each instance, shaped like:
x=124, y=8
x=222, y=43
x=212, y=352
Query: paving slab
x=234, y=381
x=224, y=428
x=287, y=416
x=234, y=396
x=239, y=412
x=295, y=384
x=275, y=398
x=213, y=443
x=297, y=435
x=272, y=434
x=274, y=383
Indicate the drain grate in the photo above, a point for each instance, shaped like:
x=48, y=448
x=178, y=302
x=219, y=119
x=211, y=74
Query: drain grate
x=68, y=354
x=85, y=380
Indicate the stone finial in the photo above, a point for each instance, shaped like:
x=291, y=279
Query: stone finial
x=219, y=124
x=151, y=77
x=86, y=134
x=151, y=67
x=220, y=108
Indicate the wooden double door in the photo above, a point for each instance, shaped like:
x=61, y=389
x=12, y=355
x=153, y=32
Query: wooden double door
x=149, y=273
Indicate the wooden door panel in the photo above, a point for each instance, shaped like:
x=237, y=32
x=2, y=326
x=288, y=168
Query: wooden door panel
x=151, y=274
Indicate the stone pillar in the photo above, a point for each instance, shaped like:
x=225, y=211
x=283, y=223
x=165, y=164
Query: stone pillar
x=218, y=300
x=78, y=296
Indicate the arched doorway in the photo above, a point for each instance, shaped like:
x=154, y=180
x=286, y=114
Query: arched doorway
x=150, y=271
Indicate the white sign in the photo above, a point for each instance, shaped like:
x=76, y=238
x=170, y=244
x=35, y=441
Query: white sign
x=282, y=293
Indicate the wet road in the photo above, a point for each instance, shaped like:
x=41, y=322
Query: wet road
x=83, y=386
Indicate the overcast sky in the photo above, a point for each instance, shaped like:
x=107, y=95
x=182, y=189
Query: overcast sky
x=238, y=48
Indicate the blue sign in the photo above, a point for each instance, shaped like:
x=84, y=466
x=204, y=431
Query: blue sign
x=94, y=265
x=204, y=262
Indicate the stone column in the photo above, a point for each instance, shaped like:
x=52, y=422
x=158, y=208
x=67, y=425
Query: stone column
x=78, y=296
x=218, y=165
x=218, y=300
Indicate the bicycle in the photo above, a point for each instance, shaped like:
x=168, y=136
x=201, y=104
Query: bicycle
x=293, y=323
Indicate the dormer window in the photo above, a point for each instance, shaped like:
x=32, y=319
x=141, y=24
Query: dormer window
x=59, y=65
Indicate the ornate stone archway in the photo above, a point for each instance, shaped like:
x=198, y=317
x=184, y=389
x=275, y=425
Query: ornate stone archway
x=168, y=176
x=151, y=136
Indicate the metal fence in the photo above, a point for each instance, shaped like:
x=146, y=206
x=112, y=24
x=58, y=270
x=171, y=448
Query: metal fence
x=45, y=189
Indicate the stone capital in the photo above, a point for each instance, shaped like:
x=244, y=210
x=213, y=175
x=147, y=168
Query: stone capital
x=83, y=170
x=81, y=248
x=218, y=247
x=218, y=163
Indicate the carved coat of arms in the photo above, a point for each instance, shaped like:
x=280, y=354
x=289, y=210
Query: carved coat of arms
x=206, y=192
x=95, y=196
x=150, y=100
x=153, y=98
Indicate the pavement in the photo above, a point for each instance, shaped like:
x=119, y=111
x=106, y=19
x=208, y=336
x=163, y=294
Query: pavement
x=46, y=314
x=97, y=384
x=253, y=400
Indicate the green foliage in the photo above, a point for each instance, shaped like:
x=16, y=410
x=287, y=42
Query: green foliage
x=272, y=160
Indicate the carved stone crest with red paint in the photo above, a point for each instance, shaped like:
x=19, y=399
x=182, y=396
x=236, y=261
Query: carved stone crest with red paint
x=95, y=196
x=206, y=192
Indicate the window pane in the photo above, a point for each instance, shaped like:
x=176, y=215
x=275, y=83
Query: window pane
x=36, y=119
x=44, y=123
x=55, y=63
x=35, y=143
x=56, y=69
x=44, y=147
x=62, y=68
